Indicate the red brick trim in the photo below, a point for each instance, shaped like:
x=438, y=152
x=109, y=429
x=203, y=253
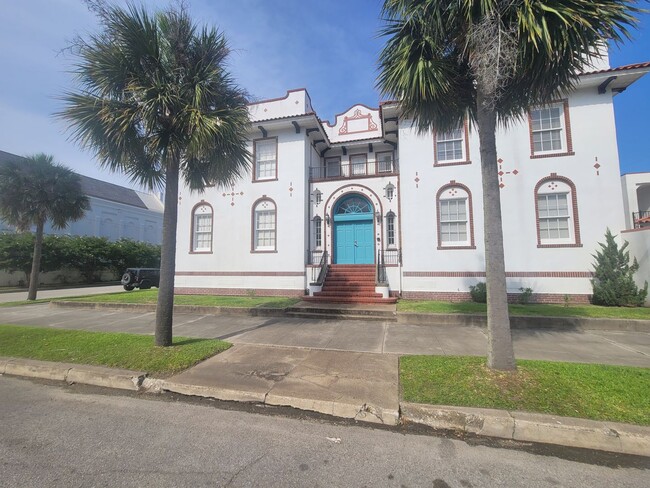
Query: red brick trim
x=453, y=296
x=240, y=273
x=574, y=206
x=255, y=141
x=200, y=204
x=255, y=204
x=567, y=128
x=509, y=274
x=453, y=163
x=271, y=292
x=470, y=219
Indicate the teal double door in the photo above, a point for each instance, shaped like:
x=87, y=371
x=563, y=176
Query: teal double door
x=354, y=235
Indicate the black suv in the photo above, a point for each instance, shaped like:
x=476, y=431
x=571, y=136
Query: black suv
x=143, y=278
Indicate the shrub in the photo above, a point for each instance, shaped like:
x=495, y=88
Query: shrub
x=478, y=292
x=524, y=297
x=613, y=282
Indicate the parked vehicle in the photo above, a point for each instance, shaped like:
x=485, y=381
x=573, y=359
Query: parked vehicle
x=143, y=278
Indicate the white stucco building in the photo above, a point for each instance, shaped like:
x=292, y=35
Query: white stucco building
x=115, y=212
x=368, y=189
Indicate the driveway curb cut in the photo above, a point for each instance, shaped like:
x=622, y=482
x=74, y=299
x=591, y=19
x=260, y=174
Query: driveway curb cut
x=121, y=379
x=531, y=427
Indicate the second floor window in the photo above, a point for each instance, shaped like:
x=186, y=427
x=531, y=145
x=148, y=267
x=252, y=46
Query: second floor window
x=550, y=131
x=451, y=146
x=266, y=154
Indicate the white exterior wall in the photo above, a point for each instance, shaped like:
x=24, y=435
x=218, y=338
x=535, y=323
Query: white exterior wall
x=232, y=265
x=639, y=248
x=454, y=270
x=115, y=221
x=552, y=271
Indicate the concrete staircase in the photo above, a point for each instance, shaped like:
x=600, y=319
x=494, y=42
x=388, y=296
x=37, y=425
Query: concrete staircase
x=350, y=283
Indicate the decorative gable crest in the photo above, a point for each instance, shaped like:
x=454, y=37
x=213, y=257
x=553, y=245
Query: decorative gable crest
x=357, y=122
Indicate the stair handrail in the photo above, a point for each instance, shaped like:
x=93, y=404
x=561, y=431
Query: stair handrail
x=322, y=270
x=380, y=274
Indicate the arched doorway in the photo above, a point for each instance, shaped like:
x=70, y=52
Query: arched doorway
x=354, y=231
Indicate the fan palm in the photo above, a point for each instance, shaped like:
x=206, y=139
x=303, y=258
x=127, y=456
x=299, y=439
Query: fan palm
x=490, y=60
x=36, y=190
x=157, y=103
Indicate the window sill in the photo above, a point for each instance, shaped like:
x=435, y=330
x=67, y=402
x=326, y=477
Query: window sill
x=447, y=248
x=262, y=180
x=201, y=252
x=552, y=155
x=260, y=251
x=437, y=164
x=555, y=246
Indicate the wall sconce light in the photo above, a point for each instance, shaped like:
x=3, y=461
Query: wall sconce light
x=389, y=191
x=327, y=219
x=318, y=196
x=378, y=217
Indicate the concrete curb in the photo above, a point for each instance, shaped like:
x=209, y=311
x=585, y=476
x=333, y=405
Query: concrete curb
x=526, y=322
x=531, y=427
x=74, y=373
x=147, y=307
x=209, y=392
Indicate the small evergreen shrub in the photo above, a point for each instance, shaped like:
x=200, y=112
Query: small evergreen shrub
x=478, y=292
x=524, y=297
x=613, y=281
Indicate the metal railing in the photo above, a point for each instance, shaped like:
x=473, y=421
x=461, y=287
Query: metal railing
x=380, y=275
x=641, y=219
x=314, y=257
x=354, y=170
x=319, y=272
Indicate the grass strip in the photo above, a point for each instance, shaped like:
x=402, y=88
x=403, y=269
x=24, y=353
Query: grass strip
x=25, y=302
x=115, y=350
x=544, y=310
x=591, y=391
x=151, y=296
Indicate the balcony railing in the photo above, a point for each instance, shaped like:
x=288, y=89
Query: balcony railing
x=641, y=219
x=352, y=170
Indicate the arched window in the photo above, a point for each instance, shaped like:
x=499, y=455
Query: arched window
x=318, y=232
x=264, y=226
x=202, y=228
x=556, y=212
x=455, y=217
x=390, y=229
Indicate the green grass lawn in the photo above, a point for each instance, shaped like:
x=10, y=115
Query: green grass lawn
x=117, y=350
x=548, y=310
x=150, y=296
x=591, y=391
x=25, y=302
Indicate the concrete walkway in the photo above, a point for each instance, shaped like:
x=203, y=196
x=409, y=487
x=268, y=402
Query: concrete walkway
x=16, y=296
x=593, y=346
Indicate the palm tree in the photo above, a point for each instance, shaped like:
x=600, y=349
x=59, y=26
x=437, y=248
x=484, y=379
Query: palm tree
x=490, y=60
x=37, y=190
x=156, y=102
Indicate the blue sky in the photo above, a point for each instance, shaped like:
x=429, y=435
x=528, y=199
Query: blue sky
x=329, y=47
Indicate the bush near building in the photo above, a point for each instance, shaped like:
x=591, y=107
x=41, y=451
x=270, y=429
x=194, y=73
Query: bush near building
x=88, y=255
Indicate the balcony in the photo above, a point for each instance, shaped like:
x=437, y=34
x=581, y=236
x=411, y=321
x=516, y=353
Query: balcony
x=641, y=219
x=354, y=170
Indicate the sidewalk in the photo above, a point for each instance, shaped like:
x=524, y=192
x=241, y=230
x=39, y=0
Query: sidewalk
x=349, y=368
x=16, y=296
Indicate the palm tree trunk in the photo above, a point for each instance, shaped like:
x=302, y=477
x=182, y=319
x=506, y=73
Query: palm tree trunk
x=36, y=262
x=165, y=307
x=500, y=352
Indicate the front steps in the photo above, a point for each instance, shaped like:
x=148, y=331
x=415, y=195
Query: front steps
x=350, y=283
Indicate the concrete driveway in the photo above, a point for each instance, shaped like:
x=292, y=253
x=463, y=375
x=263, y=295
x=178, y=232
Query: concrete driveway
x=606, y=347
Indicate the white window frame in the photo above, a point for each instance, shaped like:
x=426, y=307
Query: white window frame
x=199, y=212
x=390, y=229
x=450, y=137
x=263, y=162
x=318, y=232
x=332, y=163
x=450, y=222
x=258, y=213
x=555, y=125
x=564, y=191
x=358, y=169
x=383, y=165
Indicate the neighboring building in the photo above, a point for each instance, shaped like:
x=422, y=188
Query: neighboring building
x=115, y=212
x=368, y=189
